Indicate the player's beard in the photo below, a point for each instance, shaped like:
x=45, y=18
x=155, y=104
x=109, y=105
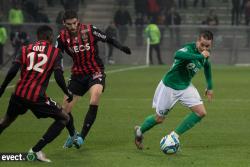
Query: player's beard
x=73, y=33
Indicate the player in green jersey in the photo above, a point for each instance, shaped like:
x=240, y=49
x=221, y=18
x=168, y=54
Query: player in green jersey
x=176, y=86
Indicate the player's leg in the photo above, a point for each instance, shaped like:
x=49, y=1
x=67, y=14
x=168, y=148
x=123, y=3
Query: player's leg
x=95, y=94
x=68, y=108
x=191, y=99
x=148, y=123
x=198, y=112
x=14, y=109
x=6, y=121
x=70, y=126
x=78, y=88
x=163, y=101
x=61, y=118
x=96, y=87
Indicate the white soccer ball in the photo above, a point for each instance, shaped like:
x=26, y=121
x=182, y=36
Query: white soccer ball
x=169, y=144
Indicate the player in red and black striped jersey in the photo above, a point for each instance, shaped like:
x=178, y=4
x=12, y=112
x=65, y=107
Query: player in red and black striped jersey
x=80, y=42
x=37, y=61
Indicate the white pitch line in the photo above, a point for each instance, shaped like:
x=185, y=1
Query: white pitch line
x=108, y=72
x=149, y=99
x=126, y=69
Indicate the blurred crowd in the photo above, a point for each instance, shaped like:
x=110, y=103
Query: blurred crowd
x=165, y=14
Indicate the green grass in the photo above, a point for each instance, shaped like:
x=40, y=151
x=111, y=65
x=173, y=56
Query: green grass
x=221, y=139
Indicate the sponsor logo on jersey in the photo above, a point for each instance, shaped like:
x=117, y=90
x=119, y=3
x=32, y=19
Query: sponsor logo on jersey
x=99, y=35
x=192, y=66
x=81, y=48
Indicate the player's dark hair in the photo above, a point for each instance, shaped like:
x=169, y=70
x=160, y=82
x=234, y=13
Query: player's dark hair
x=69, y=14
x=206, y=34
x=44, y=33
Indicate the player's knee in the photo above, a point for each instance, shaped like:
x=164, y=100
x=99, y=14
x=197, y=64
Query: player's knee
x=65, y=119
x=67, y=107
x=202, y=113
x=95, y=97
x=5, y=122
x=94, y=100
x=159, y=119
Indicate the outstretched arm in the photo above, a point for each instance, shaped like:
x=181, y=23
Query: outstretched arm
x=118, y=45
x=10, y=75
x=105, y=38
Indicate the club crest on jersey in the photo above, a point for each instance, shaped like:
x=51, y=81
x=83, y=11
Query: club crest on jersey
x=85, y=36
x=84, y=31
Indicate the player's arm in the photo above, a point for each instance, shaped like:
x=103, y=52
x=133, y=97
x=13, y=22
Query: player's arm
x=185, y=54
x=105, y=38
x=59, y=43
x=208, y=76
x=10, y=75
x=58, y=74
x=16, y=64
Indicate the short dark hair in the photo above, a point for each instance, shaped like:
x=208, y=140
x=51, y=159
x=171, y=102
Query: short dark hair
x=44, y=32
x=206, y=34
x=69, y=14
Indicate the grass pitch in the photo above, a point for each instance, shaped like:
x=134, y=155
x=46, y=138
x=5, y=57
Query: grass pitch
x=220, y=140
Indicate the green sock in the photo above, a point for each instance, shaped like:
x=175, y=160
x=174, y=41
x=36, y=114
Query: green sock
x=149, y=123
x=189, y=121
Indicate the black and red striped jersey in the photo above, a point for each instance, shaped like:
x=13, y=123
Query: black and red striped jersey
x=38, y=60
x=82, y=47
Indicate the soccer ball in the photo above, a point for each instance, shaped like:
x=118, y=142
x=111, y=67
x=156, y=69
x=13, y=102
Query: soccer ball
x=169, y=144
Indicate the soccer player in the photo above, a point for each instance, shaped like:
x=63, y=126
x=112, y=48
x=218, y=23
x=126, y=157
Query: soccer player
x=176, y=86
x=37, y=61
x=79, y=41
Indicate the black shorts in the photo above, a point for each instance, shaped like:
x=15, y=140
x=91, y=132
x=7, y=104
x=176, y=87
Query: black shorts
x=49, y=108
x=79, y=84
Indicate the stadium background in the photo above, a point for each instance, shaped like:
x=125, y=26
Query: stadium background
x=220, y=140
x=229, y=44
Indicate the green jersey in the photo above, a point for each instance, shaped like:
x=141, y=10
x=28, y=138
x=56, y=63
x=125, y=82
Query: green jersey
x=187, y=62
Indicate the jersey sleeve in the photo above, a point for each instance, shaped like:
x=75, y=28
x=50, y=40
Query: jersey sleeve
x=59, y=61
x=208, y=74
x=18, y=58
x=186, y=54
x=59, y=43
x=98, y=34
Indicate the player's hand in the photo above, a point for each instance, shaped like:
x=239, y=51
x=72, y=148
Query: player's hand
x=126, y=49
x=70, y=97
x=205, y=53
x=209, y=94
x=1, y=91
